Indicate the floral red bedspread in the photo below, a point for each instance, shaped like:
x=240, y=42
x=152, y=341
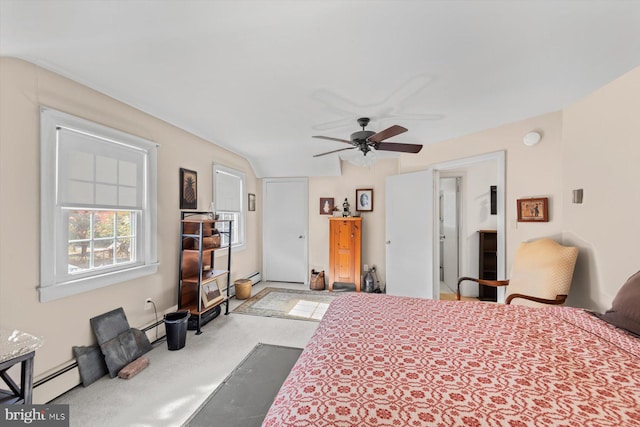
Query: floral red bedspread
x=379, y=360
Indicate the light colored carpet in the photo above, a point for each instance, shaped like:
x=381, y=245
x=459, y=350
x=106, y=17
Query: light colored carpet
x=288, y=304
x=176, y=383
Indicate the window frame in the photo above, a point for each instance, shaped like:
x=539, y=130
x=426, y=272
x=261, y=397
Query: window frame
x=55, y=280
x=132, y=237
x=240, y=225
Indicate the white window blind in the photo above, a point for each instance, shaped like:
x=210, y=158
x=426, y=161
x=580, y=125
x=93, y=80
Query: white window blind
x=99, y=173
x=228, y=194
x=228, y=198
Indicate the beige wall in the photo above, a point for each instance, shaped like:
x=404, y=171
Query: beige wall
x=373, y=223
x=65, y=322
x=602, y=156
x=530, y=171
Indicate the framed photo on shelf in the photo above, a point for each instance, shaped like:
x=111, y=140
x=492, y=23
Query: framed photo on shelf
x=188, y=189
x=533, y=210
x=211, y=293
x=326, y=205
x=252, y=202
x=364, y=200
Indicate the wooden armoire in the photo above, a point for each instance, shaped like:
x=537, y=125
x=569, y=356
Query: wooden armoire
x=345, y=241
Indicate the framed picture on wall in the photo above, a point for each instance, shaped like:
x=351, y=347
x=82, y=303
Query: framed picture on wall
x=188, y=189
x=364, y=200
x=252, y=202
x=533, y=210
x=326, y=205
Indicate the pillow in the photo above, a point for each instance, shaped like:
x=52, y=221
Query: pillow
x=625, y=308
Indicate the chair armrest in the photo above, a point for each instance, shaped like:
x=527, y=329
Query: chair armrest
x=494, y=283
x=560, y=299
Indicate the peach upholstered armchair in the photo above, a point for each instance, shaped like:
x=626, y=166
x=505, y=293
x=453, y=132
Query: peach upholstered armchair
x=541, y=274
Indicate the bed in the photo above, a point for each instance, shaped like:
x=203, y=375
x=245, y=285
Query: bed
x=379, y=360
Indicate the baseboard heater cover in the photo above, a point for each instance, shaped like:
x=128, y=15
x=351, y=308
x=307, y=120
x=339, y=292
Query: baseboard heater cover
x=255, y=277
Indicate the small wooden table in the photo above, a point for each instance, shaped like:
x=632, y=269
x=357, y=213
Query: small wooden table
x=17, y=347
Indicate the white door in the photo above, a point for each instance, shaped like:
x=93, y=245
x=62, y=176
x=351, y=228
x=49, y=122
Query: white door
x=409, y=234
x=285, y=224
x=449, y=233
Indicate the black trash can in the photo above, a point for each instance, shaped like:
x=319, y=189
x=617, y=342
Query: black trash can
x=176, y=326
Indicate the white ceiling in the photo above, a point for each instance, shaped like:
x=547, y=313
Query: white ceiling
x=261, y=77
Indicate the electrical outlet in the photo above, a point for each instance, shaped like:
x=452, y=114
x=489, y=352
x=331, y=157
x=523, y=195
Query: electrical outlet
x=148, y=304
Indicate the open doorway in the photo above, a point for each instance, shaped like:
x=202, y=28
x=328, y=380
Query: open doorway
x=449, y=218
x=412, y=226
x=477, y=204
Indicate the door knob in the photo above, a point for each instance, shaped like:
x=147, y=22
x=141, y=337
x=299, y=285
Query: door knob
x=388, y=242
x=301, y=237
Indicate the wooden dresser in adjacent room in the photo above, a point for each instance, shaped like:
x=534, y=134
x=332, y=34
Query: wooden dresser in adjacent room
x=345, y=241
x=488, y=263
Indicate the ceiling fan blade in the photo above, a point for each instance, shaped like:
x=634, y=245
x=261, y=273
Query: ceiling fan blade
x=387, y=133
x=397, y=146
x=334, y=151
x=333, y=139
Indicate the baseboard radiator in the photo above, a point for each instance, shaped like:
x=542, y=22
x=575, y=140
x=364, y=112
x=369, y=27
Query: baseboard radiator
x=255, y=277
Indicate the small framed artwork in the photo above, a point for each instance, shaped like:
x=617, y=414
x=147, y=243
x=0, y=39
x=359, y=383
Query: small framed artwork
x=188, y=189
x=211, y=293
x=326, y=205
x=533, y=210
x=364, y=200
x=252, y=202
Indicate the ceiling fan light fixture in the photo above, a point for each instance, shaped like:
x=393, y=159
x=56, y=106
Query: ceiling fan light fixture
x=363, y=160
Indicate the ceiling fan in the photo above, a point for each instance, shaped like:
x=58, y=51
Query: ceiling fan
x=365, y=140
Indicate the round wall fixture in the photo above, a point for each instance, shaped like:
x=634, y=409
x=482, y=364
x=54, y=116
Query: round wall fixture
x=532, y=138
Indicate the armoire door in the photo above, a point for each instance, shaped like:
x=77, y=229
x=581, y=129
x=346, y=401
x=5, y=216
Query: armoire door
x=344, y=253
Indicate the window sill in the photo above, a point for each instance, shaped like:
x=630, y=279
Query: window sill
x=234, y=248
x=73, y=287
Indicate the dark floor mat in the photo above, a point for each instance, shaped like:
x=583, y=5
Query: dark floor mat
x=244, y=397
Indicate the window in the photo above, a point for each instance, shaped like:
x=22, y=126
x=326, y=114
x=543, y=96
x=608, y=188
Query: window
x=98, y=206
x=228, y=198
